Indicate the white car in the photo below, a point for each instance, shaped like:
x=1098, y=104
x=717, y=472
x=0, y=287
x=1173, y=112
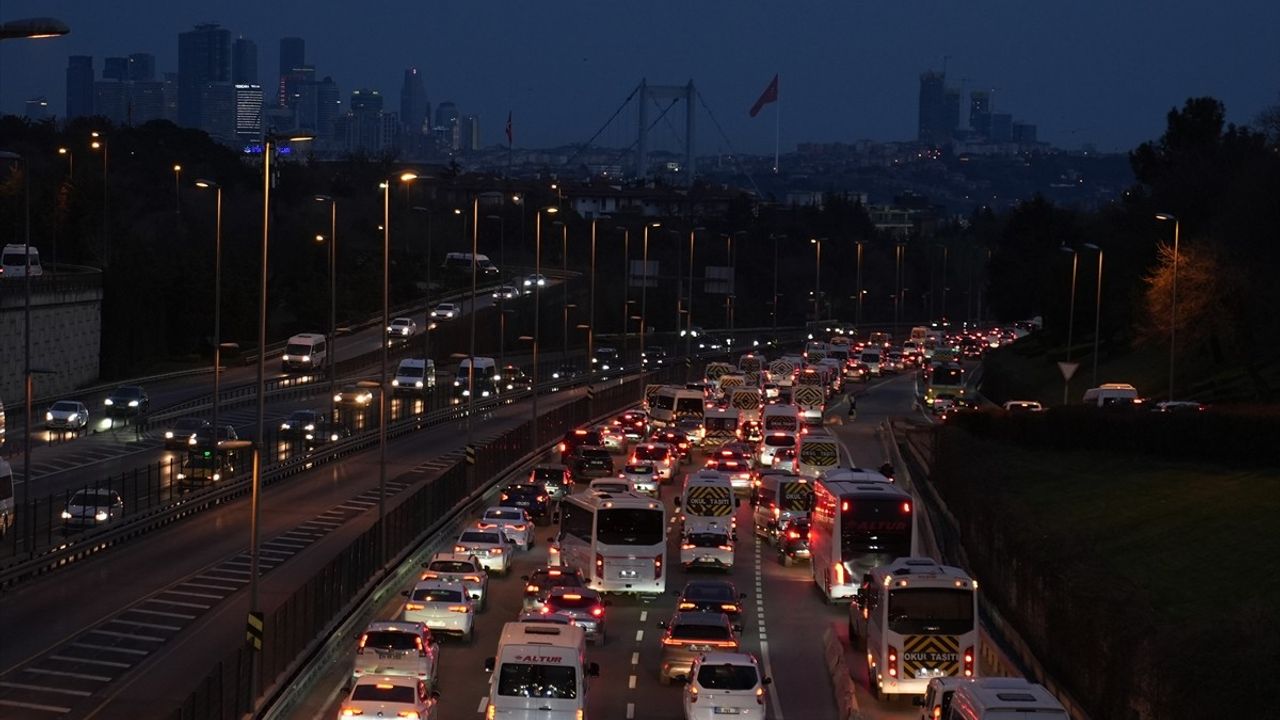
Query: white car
x=721, y=684
x=506, y=292
x=92, y=507
x=610, y=486
x=441, y=605
x=642, y=476
x=771, y=444
x=707, y=544
x=391, y=696
x=397, y=648
x=402, y=328
x=445, y=311
x=67, y=415
x=514, y=523
x=460, y=568
x=535, y=281
x=660, y=454
x=488, y=545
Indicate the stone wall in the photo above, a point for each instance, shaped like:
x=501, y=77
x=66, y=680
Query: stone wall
x=66, y=330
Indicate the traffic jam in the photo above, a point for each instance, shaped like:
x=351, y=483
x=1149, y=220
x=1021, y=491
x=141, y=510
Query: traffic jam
x=657, y=503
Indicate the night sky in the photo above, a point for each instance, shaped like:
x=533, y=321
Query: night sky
x=1099, y=71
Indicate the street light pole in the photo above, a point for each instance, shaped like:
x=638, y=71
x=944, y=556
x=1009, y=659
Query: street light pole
x=688, y=324
x=471, y=343
x=591, y=300
x=644, y=292
x=817, y=279
x=26, y=323
x=1071, y=319
x=405, y=179
x=426, y=326
x=333, y=302
x=946, y=251
x=775, y=288
x=626, y=291
x=537, y=315
x=857, y=313
x=1173, y=304
x=100, y=143
x=217, y=302
x=1097, y=313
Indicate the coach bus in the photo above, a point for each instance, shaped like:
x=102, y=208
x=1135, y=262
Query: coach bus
x=618, y=541
x=855, y=526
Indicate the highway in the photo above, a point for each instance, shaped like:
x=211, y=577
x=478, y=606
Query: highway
x=784, y=616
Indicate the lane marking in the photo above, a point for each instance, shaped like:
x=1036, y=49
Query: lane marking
x=111, y=648
x=35, y=706
x=60, y=673
x=631, y=682
x=644, y=615
x=42, y=688
x=179, y=603
x=768, y=670
x=207, y=586
x=639, y=635
x=484, y=702
x=127, y=636
x=180, y=616
x=153, y=626
x=192, y=593
x=631, y=711
x=635, y=658
x=104, y=663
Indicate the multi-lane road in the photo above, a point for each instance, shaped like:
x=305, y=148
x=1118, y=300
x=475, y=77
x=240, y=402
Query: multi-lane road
x=784, y=617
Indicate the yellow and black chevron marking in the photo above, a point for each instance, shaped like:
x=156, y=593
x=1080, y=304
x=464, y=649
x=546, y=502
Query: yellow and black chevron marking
x=823, y=455
x=796, y=496
x=715, y=370
x=746, y=400
x=931, y=652
x=807, y=395
x=728, y=381
x=708, y=501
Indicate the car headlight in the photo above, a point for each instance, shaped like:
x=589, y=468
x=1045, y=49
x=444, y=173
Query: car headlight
x=66, y=515
x=283, y=426
x=555, y=376
x=466, y=393
x=395, y=382
x=108, y=401
x=306, y=358
x=191, y=440
x=333, y=437
x=309, y=436
x=133, y=403
x=310, y=427
x=217, y=476
x=48, y=417
x=418, y=384
x=337, y=398
x=100, y=516
x=457, y=383
x=168, y=434
x=484, y=394
x=390, y=329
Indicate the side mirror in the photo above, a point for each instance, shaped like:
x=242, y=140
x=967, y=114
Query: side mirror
x=593, y=669
x=488, y=664
x=767, y=681
x=404, y=593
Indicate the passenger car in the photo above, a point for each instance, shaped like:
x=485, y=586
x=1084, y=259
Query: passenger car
x=353, y=395
x=402, y=328
x=300, y=422
x=721, y=684
x=182, y=430
x=590, y=461
x=506, y=292
x=582, y=606
x=489, y=546
x=127, y=401
x=67, y=415
x=514, y=523
x=535, y=280
x=712, y=596
x=541, y=581
x=689, y=634
x=389, y=647
x=461, y=568
x=442, y=606
x=642, y=476
x=555, y=479
x=445, y=311
x=390, y=696
x=793, y=541
x=92, y=507
x=532, y=497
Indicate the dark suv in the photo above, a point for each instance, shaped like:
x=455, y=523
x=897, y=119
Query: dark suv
x=573, y=439
x=590, y=461
x=555, y=478
x=530, y=496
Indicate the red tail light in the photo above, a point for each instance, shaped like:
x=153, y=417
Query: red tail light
x=793, y=535
x=422, y=650
x=937, y=712
x=599, y=566
x=968, y=661
x=597, y=611
x=563, y=447
x=364, y=638
x=906, y=507
x=657, y=567
x=693, y=693
x=893, y=662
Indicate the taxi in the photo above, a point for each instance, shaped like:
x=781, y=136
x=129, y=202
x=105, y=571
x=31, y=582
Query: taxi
x=390, y=696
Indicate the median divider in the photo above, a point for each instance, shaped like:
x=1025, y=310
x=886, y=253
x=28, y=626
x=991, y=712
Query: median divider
x=841, y=680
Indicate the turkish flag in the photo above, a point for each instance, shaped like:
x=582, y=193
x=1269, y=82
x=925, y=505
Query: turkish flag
x=508, y=127
x=769, y=95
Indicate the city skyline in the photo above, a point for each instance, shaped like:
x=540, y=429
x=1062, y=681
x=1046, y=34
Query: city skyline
x=840, y=81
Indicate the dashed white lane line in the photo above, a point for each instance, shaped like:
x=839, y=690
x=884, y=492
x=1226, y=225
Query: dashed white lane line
x=104, y=663
x=484, y=702
x=639, y=636
x=631, y=682
x=36, y=706
x=774, y=701
x=61, y=673
x=644, y=615
x=631, y=711
x=635, y=658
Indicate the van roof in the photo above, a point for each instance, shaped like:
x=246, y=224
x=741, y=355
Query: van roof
x=1010, y=695
x=569, y=637
x=306, y=338
x=481, y=362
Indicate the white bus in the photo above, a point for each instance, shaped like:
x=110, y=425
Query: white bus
x=672, y=403
x=817, y=452
x=856, y=526
x=618, y=541
x=920, y=621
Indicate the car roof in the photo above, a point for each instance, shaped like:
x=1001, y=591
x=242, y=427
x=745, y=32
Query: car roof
x=726, y=658
x=436, y=585
x=696, y=588
x=399, y=680
x=503, y=508
x=477, y=527
x=395, y=626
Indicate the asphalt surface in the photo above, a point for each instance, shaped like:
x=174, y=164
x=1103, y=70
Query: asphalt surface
x=784, y=615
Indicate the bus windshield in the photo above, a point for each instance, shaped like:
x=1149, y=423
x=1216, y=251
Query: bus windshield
x=689, y=406
x=538, y=681
x=948, y=376
x=931, y=611
x=874, y=527
x=627, y=526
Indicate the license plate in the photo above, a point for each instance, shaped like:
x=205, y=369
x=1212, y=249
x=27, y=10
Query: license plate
x=727, y=711
x=390, y=654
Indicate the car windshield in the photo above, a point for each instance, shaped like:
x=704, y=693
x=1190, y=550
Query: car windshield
x=451, y=566
x=297, y=349
x=572, y=601
x=699, y=631
x=930, y=611
x=481, y=538
x=64, y=406
x=390, y=640
x=630, y=526
x=382, y=692
x=727, y=677
x=504, y=515
x=411, y=370
x=717, y=592
x=128, y=392
x=538, y=681
x=437, y=595
x=401, y=321
x=89, y=498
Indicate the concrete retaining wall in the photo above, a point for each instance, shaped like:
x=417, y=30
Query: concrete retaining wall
x=66, y=331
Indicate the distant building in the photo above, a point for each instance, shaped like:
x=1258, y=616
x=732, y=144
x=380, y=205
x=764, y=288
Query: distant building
x=366, y=128
x=218, y=112
x=293, y=54
x=413, y=102
x=931, y=125
x=470, y=133
x=142, y=67
x=248, y=113
x=951, y=112
x=36, y=108
x=1024, y=133
x=446, y=130
x=79, y=86
x=980, y=112
x=204, y=57
x=293, y=85
x=111, y=101
x=115, y=68
x=147, y=101
x=244, y=62
x=1001, y=128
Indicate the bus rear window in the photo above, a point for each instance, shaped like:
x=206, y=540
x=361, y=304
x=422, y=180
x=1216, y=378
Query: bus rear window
x=875, y=526
x=930, y=611
x=630, y=527
x=538, y=681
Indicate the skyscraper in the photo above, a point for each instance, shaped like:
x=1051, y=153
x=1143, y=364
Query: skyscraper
x=980, y=112
x=931, y=125
x=79, y=86
x=115, y=68
x=111, y=101
x=293, y=54
x=218, y=111
x=142, y=67
x=147, y=101
x=413, y=102
x=292, y=85
x=204, y=56
x=1001, y=128
x=470, y=132
x=244, y=62
x=248, y=113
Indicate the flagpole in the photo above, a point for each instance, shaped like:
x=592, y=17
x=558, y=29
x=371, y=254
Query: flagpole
x=777, y=126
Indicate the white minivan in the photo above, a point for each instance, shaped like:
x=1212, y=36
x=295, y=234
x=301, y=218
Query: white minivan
x=539, y=673
x=1111, y=394
x=305, y=351
x=414, y=375
x=1004, y=698
x=14, y=259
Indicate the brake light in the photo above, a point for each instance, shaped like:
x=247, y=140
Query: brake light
x=937, y=712
x=408, y=714
x=412, y=606
x=729, y=607
x=364, y=638
x=520, y=528
x=760, y=695
x=693, y=693
x=687, y=546
x=844, y=506
x=384, y=686
x=541, y=498
x=839, y=570
x=657, y=567
x=553, y=573
x=687, y=606
x=490, y=712
x=496, y=551
x=351, y=712
x=571, y=596
x=422, y=650
x=563, y=447
x=471, y=578
x=597, y=611
x=968, y=661
x=459, y=548
x=906, y=507
x=893, y=661
x=726, y=547
x=505, y=496
x=429, y=576
x=599, y=565
x=793, y=535
x=460, y=608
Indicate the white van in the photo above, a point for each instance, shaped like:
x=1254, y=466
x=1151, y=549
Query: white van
x=871, y=358
x=14, y=259
x=1006, y=699
x=1111, y=394
x=539, y=673
x=414, y=375
x=461, y=262
x=817, y=453
x=781, y=418
x=305, y=351
x=6, y=498
x=486, y=378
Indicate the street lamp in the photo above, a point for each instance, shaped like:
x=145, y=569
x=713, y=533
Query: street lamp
x=333, y=297
x=857, y=313
x=775, y=285
x=502, y=240
x=1097, y=312
x=471, y=343
x=564, y=280
x=405, y=178
x=32, y=29
x=98, y=142
x=537, y=313
x=626, y=289
x=1173, y=304
x=644, y=295
x=177, y=190
x=564, y=327
x=817, y=279
x=217, y=299
x=1071, y=320
x=591, y=299
x=688, y=335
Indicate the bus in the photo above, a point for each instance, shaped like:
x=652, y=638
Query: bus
x=920, y=621
x=618, y=541
x=671, y=403
x=856, y=526
x=945, y=378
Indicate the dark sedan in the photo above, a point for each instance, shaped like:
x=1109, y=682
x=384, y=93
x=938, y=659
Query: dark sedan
x=127, y=401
